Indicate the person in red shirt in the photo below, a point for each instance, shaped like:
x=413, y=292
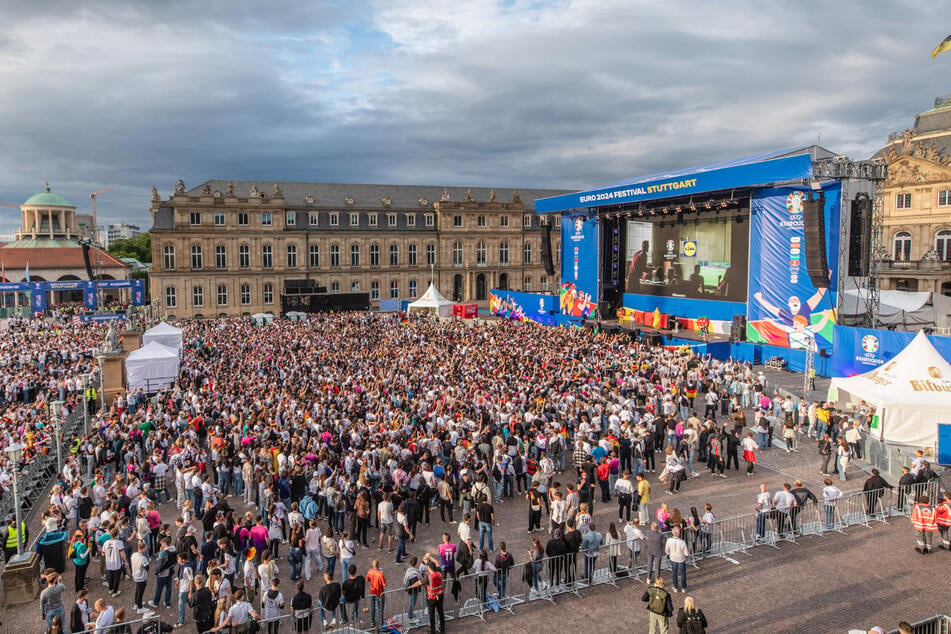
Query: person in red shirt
x=434, y=597
x=924, y=519
x=377, y=582
x=604, y=473
x=943, y=512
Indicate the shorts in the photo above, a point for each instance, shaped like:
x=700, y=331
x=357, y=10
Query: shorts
x=386, y=529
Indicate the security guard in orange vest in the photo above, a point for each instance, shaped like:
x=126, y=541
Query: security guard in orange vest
x=943, y=512
x=924, y=518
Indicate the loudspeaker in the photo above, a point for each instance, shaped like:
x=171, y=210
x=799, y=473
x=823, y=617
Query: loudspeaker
x=546, y=249
x=738, y=329
x=604, y=308
x=860, y=235
x=814, y=225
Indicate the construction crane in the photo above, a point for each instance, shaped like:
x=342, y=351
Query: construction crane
x=95, y=222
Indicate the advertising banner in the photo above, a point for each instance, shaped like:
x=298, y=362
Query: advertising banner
x=38, y=300
x=138, y=292
x=89, y=296
x=859, y=350
x=785, y=309
x=524, y=306
x=579, y=262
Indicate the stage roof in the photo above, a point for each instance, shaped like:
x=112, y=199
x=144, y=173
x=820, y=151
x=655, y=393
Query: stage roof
x=772, y=168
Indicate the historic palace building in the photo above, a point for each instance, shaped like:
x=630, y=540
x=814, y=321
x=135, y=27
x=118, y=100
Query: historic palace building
x=231, y=248
x=917, y=199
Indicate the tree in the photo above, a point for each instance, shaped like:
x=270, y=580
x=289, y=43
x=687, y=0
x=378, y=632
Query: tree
x=139, y=247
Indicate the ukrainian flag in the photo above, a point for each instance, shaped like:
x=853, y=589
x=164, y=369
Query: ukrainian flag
x=942, y=47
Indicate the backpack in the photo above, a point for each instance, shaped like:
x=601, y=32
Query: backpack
x=657, y=602
x=693, y=624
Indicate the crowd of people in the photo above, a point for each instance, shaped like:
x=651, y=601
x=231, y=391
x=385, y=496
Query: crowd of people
x=292, y=454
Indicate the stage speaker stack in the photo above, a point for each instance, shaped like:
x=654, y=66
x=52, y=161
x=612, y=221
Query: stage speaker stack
x=814, y=225
x=738, y=329
x=860, y=235
x=546, y=249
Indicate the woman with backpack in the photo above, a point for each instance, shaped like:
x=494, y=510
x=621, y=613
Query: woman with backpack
x=690, y=619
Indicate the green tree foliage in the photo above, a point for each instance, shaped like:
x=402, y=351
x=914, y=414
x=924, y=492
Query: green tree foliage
x=139, y=247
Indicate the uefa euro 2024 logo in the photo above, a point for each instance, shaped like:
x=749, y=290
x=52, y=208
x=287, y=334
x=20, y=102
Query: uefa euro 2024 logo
x=870, y=344
x=794, y=203
x=579, y=225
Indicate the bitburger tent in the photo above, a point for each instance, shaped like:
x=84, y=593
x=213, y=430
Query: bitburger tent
x=911, y=394
x=432, y=301
x=151, y=367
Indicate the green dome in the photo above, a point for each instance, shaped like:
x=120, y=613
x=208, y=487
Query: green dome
x=48, y=199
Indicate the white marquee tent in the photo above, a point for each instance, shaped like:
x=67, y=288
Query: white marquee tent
x=151, y=367
x=165, y=334
x=432, y=301
x=911, y=393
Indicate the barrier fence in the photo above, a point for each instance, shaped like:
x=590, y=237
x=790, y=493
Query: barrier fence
x=478, y=594
x=940, y=624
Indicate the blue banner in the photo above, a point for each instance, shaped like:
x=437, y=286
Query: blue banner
x=12, y=287
x=138, y=292
x=579, y=262
x=762, y=172
x=860, y=350
x=38, y=299
x=784, y=308
x=89, y=296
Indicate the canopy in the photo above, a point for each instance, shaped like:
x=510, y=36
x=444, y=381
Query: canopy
x=151, y=367
x=912, y=393
x=432, y=301
x=165, y=334
x=908, y=310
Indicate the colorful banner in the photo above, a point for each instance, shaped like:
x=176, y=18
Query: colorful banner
x=524, y=306
x=784, y=308
x=576, y=303
x=579, y=262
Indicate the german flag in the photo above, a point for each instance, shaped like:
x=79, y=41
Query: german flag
x=942, y=47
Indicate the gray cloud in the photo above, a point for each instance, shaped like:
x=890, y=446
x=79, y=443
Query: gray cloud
x=521, y=93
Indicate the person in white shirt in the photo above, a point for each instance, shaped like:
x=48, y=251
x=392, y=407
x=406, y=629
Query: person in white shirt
x=635, y=540
x=625, y=495
x=749, y=447
x=114, y=556
x=184, y=577
x=783, y=502
x=764, y=507
x=830, y=497
x=312, y=548
x=107, y=615
x=707, y=521
x=140, y=574
x=677, y=552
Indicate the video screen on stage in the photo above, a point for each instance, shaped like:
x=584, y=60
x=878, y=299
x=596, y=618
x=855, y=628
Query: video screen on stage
x=703, y=259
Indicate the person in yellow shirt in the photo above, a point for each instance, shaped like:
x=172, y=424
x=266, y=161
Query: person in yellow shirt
x=643, y=498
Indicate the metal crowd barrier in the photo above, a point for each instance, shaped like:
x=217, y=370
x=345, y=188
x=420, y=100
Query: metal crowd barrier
x=939, y=624
x=151, y=623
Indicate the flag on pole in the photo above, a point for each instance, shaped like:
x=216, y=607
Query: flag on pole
x=942, y=47
x=27, y=271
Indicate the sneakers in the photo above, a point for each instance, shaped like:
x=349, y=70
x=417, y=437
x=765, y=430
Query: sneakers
x=333, y=623
x=152, y=604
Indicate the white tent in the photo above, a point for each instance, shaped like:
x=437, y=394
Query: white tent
x=903, y=309
x=432, y=301
x=911, y=394
x=165, y=334
x=262, y=319
x=151, y=367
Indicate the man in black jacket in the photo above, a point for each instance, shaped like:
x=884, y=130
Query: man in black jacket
x=329, y=596
x=573, y=543
x=905, y=490
x=203, y=604
x=802, y=495
x=874, y=489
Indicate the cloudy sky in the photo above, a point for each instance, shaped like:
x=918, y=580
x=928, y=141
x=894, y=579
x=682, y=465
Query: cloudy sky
x=520, y=93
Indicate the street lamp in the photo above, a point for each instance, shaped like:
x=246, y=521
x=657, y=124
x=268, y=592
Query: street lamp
x=15, y=453
x=56, y=412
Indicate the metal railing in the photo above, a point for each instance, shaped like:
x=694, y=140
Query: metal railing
x=151, y=624
x=939, y=624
